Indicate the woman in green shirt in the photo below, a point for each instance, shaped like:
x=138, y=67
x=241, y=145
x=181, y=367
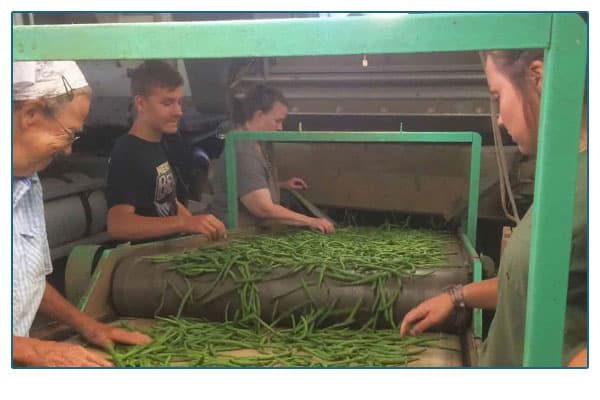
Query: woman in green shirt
x=515, y=79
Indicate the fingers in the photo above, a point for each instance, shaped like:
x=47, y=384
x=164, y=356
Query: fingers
x=95, y=360
x=421, y=326
x=329, y=228
x=323, y=225
x=410, y=318
x=127, y=337
x=298, y=183
x=209, y=226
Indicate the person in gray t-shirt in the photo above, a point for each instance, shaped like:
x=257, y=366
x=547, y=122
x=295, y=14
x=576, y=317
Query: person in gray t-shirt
x=264, y=109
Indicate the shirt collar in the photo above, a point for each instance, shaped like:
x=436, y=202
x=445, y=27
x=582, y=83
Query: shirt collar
x=22, y=185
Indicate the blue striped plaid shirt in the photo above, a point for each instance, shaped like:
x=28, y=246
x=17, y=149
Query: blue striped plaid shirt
x=31, y=262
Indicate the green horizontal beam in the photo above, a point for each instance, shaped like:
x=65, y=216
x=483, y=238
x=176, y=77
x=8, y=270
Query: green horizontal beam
x=350, y=137
x=291, y=37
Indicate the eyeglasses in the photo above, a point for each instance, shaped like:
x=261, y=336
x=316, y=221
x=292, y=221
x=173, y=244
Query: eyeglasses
x=68, y=88
x=73, y=136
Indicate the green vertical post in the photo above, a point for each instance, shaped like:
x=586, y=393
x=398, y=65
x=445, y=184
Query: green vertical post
x=477, y=276
x=231, y=173
x=474, y=188
x=554, y=193
x=472, y=223
x=477, y=312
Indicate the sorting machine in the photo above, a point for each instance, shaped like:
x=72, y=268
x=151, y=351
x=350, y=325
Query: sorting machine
x=125, y=283
x=561, y=35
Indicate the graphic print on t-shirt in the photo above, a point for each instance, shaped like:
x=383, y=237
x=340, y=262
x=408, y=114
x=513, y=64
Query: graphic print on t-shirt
x=164, y=197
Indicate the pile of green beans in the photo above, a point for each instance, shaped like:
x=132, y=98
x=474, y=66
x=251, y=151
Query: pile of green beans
x=352, y=256
x=346, y=255
x=193, y=342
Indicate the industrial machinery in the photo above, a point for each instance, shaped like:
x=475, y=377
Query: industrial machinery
x=560, y=35
x=127, y=284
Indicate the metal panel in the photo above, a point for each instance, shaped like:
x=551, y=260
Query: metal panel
x=347, y=137
x=310, y=36
x=561, y=110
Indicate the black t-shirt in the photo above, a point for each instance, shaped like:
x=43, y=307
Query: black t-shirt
x=139, y=175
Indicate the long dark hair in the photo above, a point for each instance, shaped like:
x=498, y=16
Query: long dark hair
x=514, y=64
x=258, y=98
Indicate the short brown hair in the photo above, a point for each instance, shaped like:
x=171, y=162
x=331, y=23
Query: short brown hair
x=154, y=73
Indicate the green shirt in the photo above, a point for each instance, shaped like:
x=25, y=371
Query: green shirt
x=504, y=344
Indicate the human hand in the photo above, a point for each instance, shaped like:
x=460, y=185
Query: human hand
x=45, y=353
x=294, y=183
x=427, y=314
x=105, y=336
x=321, y=224
x=207, y=225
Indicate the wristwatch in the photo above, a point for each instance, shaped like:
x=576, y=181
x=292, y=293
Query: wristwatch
x=456, y=293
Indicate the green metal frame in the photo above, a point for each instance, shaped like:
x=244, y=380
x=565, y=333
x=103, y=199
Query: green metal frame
x=563, y=36
x=470, y=229
x=477, y=276
x=357, y=137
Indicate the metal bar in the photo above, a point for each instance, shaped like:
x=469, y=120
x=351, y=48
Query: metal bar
x=477, y=312
x=478, y=77
x=477, y=277
x=349, y=137
x=83, y=301
x=296, y=37
x=231, y=174
x=383, y=69
x=474, y=187
x=554, y=193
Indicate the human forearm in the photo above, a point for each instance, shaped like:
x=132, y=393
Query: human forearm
x=285, y=216
x=136, y=227
x=55, y=306
x=482, y=294
x=260, y=204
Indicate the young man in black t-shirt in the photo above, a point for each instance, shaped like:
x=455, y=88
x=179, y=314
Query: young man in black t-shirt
x=141, y=192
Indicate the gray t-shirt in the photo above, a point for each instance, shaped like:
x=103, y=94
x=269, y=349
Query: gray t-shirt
x=254, y=172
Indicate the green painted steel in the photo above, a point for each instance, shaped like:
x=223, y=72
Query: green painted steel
x=474, y=187
x=477, y=277
x=338, y=136
x=83, y=301
x=356, y=137
x=291, y=37
x=554, y=193
x=231, y=173
x=477, y=312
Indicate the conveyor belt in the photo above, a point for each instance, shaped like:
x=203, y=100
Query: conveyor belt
x=141, y=288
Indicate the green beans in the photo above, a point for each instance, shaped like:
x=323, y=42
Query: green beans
x=194, y=342
x=352, y=256
x=317, y=334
